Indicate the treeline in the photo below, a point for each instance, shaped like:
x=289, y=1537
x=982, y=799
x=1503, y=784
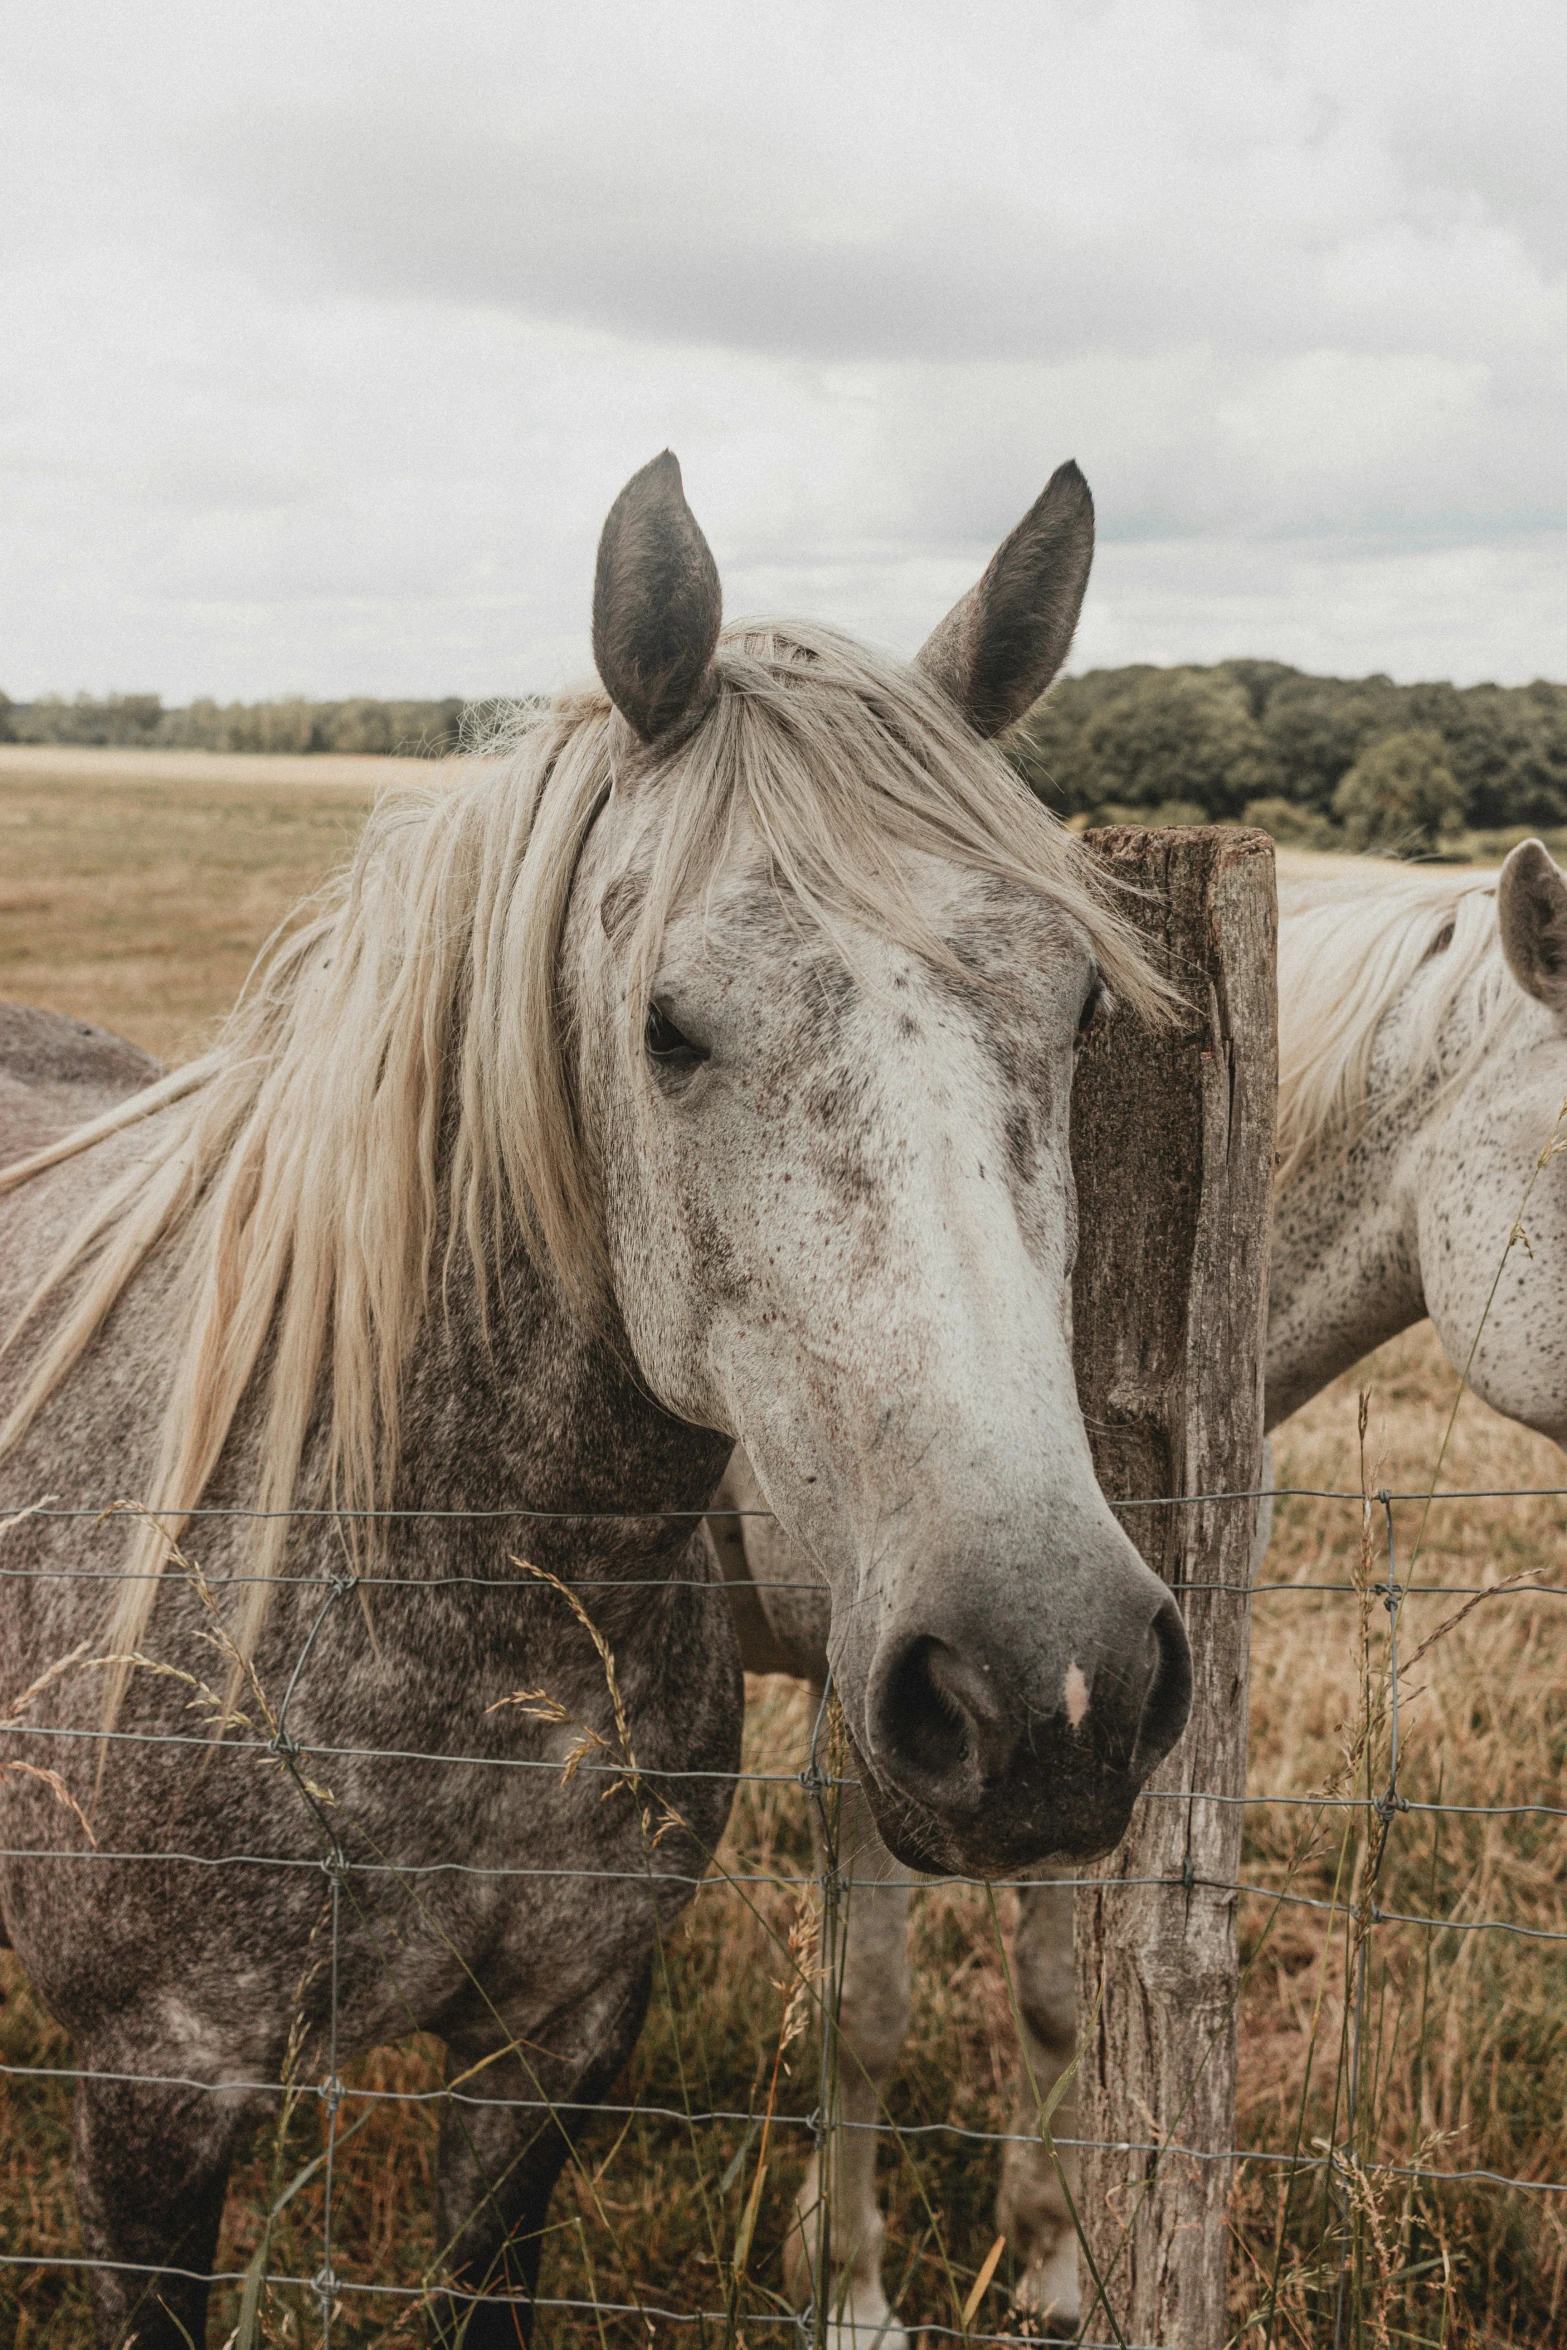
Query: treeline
x=1325, y=761
x=1320, y=761
x=418, y=730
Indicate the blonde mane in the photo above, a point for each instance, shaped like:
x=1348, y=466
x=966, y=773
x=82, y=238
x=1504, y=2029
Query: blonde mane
x=398, y=1068
x=1353, y=937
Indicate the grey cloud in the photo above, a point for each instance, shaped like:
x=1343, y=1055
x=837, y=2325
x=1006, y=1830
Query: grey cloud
x=742, y=249
x=594, y=239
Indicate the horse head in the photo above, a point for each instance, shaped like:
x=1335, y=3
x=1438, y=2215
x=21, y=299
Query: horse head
x=825, y=966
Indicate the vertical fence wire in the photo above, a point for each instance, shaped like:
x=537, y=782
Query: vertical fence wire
x=1350, y=2159
x=332, y=2098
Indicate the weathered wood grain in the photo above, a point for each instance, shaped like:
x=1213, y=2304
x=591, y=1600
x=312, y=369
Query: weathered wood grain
x=1173, y=1146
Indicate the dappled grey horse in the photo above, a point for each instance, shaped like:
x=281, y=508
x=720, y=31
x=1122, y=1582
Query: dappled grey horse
x=1422, y=1073
x=699, y=1074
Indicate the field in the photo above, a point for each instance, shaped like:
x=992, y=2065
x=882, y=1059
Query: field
x=136, y=887
x=138, y=898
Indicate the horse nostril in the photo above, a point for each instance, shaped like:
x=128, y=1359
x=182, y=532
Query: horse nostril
x=919, y=1720
x=937, y=1717
x=1167, y=1698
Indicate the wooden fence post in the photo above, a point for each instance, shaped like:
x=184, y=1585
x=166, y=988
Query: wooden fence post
x=1172, y=1141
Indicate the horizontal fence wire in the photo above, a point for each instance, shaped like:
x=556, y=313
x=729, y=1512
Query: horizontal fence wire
x=809, y=2124
x=649, y=2312
x=340, y=1868
x=14, y=1513
x=347, y=1866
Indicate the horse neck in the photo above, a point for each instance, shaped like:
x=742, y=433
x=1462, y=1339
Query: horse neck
x=1344, y=1277
x=1344, y=1266
x=534, y=1408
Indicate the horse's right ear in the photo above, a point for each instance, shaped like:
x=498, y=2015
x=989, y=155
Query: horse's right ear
x=1531, y=912
x=1003, y=642
x=657, y=605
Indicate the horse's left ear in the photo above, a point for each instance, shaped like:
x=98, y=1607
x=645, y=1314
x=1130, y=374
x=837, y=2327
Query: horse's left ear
x=657, y=605
x=1003, y=642
x=1531, y=911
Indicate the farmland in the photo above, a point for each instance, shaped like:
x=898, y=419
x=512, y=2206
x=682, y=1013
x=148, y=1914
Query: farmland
x=135, y=888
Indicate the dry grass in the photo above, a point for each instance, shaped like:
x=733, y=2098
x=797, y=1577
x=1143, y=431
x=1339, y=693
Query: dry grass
x=135, y=889
x=1464, y=2038
x=1464, y=2043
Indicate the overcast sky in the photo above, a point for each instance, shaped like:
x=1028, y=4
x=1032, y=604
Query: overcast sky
x=329, y=330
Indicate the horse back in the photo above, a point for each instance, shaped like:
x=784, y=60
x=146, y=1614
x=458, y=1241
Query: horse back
x=56, y=1072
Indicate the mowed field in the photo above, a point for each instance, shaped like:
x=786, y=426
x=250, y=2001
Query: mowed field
x=137, y=898
x=135, y=887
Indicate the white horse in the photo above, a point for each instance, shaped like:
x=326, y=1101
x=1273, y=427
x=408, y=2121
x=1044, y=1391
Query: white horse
x=1422, y=1071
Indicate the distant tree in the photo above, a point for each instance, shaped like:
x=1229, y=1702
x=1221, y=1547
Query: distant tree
x=1506, y=745
x=1047, y=748
x=7, y=706
x=117, y=718
x=359, y=726
x=134, y=717
x=1142, y=739
x=1317, y=727
x=1177, y=735
x=48, y=720
x=198, y=727
x=425, y=730
x=1291, y=825
x=287, y=726
x=1401, y=794
x=1259, y=681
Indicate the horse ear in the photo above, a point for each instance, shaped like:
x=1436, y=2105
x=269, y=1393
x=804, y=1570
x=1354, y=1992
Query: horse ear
x=1003, y=642
x=1531, y=911
x=657, y=605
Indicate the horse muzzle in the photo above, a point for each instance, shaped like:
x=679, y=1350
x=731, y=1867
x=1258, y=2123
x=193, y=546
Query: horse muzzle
x=983, y=1755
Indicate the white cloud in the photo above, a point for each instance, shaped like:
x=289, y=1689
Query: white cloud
x=330, y=334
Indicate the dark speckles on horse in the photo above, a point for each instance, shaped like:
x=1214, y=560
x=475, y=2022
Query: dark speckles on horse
x=829, y=995
x=1022, y=1146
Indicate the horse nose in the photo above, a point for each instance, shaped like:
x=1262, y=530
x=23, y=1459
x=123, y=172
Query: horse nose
x=1021, y=1736
x=938, y=1721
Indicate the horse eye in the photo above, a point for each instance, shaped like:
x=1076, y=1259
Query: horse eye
x=1090, y=1010
x=666, y=1045
x=1442, y=941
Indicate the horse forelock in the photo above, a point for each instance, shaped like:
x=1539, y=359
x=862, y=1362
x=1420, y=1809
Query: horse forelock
x=393, y=1092
x=1355, y=942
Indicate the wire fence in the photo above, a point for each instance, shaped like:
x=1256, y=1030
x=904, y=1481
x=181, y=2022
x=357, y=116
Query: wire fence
x=796, y=1900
